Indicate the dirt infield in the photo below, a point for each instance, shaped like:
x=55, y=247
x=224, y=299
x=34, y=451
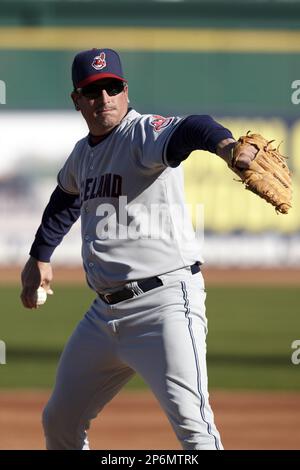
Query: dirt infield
x=222, y=276
x=135, y=421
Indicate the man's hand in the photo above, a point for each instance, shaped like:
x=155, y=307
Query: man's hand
x=225, y=150
x=262, y=169
x=35, y=274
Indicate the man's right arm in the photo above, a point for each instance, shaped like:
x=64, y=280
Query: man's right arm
x=60, y=214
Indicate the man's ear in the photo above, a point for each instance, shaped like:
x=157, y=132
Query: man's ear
x=74, y=97
x=126, y=91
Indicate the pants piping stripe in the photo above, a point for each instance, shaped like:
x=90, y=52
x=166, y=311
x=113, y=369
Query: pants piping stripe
x=202, y=398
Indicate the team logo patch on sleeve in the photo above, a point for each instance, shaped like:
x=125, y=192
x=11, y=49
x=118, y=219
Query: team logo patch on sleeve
x=160, y=122
x=99, y=61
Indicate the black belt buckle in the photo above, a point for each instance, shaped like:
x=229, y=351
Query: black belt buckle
x=118, y=296
x=105, y=297
x=124, y=294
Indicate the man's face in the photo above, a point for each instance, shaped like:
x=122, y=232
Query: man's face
x=103, y=104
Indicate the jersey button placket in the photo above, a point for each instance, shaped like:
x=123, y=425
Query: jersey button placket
x=91, y=165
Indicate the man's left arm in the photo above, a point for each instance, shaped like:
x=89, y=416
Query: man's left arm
x=202, y=132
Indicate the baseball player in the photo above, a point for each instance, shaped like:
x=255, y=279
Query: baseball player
x=140, y=257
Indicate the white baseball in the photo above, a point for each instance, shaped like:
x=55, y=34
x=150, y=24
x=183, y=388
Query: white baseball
x=41, y=296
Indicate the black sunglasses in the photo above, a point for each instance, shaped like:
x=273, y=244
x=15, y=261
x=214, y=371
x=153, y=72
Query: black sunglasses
x=94, y=90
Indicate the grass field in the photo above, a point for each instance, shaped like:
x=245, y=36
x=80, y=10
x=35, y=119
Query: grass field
x=249, y=343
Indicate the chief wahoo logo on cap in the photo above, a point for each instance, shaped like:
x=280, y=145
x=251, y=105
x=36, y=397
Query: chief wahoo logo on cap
x=99, y=61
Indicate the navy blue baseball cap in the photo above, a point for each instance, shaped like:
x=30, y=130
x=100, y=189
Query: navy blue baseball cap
x=95, y=64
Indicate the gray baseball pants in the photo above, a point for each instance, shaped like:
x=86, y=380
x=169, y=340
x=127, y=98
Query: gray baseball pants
x=160, y=334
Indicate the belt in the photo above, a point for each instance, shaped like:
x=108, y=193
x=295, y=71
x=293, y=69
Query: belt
x=144, y=286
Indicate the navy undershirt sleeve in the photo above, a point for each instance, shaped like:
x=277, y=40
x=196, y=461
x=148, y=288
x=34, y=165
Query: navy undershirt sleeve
x=60, y=214
x=195, y=133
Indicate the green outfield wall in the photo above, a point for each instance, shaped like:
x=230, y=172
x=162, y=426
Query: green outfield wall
x=233, y=83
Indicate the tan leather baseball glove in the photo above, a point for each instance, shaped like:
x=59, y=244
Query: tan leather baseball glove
x=268, y=174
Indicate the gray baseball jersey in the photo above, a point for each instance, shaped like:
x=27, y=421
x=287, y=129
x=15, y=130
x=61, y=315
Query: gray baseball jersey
x=135, y=223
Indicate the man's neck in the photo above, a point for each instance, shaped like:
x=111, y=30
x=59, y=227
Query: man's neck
x=96, y=139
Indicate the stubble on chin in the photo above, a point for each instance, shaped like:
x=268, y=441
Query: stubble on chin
x=103, y=124
x=106, y=122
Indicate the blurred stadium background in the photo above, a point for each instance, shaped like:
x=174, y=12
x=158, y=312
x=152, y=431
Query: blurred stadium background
x=238, y=61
